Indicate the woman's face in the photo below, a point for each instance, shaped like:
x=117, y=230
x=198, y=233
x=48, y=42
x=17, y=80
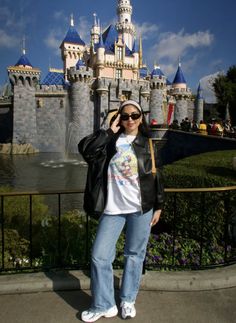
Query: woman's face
x=131, y=124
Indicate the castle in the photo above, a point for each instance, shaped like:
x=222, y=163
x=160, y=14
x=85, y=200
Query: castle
x=67, y=105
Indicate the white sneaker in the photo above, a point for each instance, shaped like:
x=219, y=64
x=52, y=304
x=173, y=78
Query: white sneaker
x=92, y=316
x=127, y=310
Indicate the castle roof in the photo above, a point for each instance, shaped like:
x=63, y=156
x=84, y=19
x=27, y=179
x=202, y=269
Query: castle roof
x=100, y=43
x=109, y=37
x=80, y=64
x=143, y=72
x=157, y=72
x=199, y=92
x=179, y=76
x=73, y=37
x=135, y=47
x=54, y=77
x=23, y=61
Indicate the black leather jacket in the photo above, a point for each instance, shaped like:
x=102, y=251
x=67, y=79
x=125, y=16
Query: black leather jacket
x=97, y=150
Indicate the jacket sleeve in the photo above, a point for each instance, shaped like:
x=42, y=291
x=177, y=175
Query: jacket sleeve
x=94, y=146
x=160, y=196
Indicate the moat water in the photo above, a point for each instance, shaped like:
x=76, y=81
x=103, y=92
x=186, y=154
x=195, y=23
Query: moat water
x=44, y=172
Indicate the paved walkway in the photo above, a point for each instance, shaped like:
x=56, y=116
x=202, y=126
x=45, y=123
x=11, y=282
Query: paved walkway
x=174, y=297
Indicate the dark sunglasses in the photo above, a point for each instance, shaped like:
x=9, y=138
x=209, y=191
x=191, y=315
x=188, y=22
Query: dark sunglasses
x=133, y=116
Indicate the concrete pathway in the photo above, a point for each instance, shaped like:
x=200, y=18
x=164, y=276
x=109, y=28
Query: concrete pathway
x=207, y=296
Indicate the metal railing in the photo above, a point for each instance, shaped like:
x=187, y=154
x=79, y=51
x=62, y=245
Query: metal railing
x=197, y=230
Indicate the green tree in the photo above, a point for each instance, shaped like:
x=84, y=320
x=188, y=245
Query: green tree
x=225, y=91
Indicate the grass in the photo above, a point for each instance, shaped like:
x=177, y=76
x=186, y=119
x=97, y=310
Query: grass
x=217, y=165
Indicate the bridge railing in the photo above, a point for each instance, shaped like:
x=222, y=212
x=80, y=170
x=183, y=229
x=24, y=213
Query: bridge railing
x=48, y=229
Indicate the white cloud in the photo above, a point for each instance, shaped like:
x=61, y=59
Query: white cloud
x=169, y=47
x=84, y=27
x=174, y=45
x=146, y=30
x=54, y=40
x=59, y=15
x=12, y=27
x=8, y=41
x=57, y=34
x=206, y=85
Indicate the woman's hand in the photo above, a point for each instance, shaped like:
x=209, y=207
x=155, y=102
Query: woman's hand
x=155, y=218
x=115, y=127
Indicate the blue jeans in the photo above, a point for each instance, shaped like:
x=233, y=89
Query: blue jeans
x=103, y=254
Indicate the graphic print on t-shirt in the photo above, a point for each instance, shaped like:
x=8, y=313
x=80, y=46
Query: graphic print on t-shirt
x=123, y=191
x=123, y=166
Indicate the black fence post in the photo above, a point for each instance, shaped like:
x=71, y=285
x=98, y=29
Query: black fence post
x=59, y=230
x=2, y=231
x=203, y=198
x=174, y=228
x=30, y=231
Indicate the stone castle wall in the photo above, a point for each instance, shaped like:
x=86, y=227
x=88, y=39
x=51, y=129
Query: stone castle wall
x=24, y=117
x=51, y=109
x=54, y=118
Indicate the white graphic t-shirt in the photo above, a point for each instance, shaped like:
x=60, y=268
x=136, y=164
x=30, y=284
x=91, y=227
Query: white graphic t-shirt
x=123, y=195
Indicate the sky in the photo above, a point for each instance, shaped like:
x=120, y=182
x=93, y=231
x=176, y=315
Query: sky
x=201, y=33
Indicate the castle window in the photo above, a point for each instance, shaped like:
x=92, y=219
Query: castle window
x=118, y=74
x=119, y=53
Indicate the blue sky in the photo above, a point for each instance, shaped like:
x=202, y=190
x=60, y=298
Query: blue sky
x=202, y=33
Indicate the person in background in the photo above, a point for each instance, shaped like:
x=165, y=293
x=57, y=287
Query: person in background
x=121, y=187
x=194, y=126
x=202, y=128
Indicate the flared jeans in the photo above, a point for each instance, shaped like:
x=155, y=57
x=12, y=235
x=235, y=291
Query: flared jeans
x=137, y=232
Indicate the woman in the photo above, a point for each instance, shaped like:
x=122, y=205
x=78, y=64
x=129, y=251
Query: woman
x=121, y=187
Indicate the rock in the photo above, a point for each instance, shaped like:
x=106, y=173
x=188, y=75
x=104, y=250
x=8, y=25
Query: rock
x=16, y=149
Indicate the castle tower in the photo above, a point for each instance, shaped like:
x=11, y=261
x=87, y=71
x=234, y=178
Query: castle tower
x=198, y=115
x=135, y=52
x=81, y=113
x=157, y=95
x=100, y=56
x=24, y=78
x=72, y=48
x=95, y=31
x=124, y=24
x=182, y=95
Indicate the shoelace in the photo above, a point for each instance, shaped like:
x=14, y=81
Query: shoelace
x=127, y=309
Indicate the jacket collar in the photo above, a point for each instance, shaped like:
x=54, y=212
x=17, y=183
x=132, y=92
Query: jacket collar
x=140, y=140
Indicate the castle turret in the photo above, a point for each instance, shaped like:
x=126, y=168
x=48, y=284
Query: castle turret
x=24, y=78
x=158, y=93
x=182, y=95
x=136, y=55
x=95, y=31
x=72, y=48
x=124, y=25
x=81, y=113
x=100, y=56
x=198, y=115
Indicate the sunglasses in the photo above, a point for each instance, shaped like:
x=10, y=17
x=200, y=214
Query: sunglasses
x=133, y=116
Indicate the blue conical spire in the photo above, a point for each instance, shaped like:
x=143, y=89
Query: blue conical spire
x=179, y=76
x=23, y=60
x=101, y=43
x=157, y=72
x=80, y=64
x=134, y=49
x=72, y=35
x=199, y=92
